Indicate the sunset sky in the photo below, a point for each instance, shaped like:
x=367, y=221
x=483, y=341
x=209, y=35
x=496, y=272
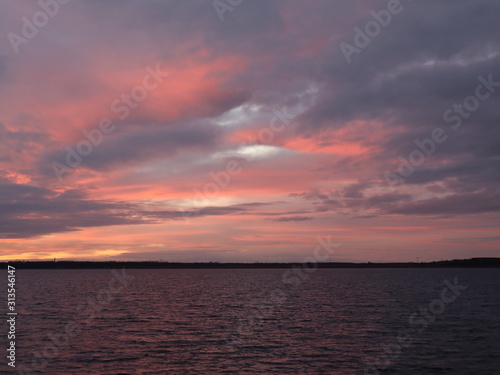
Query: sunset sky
x=246, y=132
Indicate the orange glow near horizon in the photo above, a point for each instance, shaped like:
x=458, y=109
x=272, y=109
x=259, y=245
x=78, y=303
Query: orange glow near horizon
x=186, y=173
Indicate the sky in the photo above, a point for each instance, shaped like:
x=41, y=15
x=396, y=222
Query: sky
x=249, y=130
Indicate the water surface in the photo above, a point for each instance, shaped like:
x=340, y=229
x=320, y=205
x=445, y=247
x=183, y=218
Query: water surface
x=333, y=321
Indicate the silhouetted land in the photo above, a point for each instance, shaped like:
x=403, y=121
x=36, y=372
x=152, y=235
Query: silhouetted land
x=66, y=264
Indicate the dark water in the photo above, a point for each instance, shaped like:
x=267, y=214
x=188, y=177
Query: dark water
x=333, y=321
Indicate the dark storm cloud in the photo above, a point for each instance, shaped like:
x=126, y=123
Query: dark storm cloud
x=30, y=211
x=459, y=201
x=293, y=218
x=27, y=211
x=16, y=139
x=427, y=59
x=461, y=176
x=141, y=144
x=144, y=144
x=457, y=204
x=3, y=69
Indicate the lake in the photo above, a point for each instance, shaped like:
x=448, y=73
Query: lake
x=263, y=321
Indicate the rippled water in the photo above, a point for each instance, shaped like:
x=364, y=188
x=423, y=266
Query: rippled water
x=255, y=322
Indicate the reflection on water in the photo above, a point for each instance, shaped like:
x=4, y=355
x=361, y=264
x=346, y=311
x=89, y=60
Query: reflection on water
x=229, y=322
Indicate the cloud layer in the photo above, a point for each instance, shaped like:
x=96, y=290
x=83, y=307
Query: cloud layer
x=261, y=135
